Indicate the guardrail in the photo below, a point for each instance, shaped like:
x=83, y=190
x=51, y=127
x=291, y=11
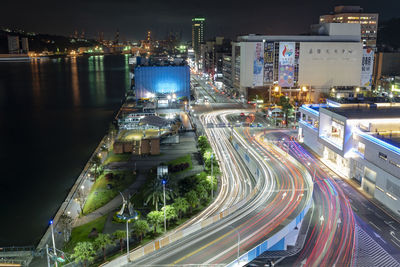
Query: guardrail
x=175, y=236
x=273, y=240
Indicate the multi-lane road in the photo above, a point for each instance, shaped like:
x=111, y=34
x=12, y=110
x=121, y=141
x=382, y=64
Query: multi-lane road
x=342, y=229
x=279, y=193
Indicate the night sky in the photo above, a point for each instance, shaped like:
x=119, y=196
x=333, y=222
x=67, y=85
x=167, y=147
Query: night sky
x=134, y=17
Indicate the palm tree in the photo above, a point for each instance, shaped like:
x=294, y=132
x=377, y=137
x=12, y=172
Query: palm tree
x=96, y=162
x=66, y=225
x=84, y=252
x=102, y=242
x=155, y=193
x=181, y=205
x=140, y=228
x=155, y=218
x=170, y=213
x=192, y=199
x=120, y=235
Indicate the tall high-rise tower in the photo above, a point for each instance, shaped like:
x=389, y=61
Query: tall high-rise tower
x=198, y=24
x=355, y=14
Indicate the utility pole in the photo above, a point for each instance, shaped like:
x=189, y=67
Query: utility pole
x=127, y=239
x=212, y=177
x=54, y=243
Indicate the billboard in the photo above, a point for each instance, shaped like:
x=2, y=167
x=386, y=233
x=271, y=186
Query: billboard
x=286, y=64
x=258, y=66
x=162, y=80
x=366, y=67
x=268, y=62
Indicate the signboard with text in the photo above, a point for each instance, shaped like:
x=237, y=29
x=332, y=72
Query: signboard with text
x=258, y=66
x=286, y=64
x=367, y=65
x=268, y=62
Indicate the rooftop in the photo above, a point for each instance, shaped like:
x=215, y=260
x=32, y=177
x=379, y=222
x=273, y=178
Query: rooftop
x=367, y=112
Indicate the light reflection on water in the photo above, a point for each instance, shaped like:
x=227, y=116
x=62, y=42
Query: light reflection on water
x=52, y=115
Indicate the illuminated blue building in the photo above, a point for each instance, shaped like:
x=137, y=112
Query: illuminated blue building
x=164, y=80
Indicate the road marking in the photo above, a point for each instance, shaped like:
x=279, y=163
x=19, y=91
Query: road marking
x=203, y=247
x=397, y=244
x=375, y=226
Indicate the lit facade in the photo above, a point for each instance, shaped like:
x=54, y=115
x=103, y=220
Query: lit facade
x=360, y=142
x=162, y=80
x=330, y=57
x=198, y=25
x=354, y=14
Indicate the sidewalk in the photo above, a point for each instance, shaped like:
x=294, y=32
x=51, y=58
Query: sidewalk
x=114, y=203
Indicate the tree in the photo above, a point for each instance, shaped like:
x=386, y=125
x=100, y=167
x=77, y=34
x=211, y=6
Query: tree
x=192, y=199
x=170, y=213
x=102, y=242
x=181, y=205
x=112, y=131
x=120, y=235
x=140, y=228
x=96, y=162
x=65, y=223
x=155, y=218
x=284, y=102
x=155, y=193
x=84, y=252
x=201, y=192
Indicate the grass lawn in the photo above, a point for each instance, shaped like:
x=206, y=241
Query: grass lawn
x=184, y=159
x=100, y=195
x=117, y=157
x=81, y=233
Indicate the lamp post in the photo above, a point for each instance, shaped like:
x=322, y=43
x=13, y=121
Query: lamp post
x=54, y=242
x=165, y=217
x=212, y=177
x=127, y=239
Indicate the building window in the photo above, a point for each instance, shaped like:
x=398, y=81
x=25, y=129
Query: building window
x=319, y=51
x=382, y=156
x=361, y=148
x=394, y=163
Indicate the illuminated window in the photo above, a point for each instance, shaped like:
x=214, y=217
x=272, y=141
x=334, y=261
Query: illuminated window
x=394, y=163
x=382, y=156
x=361, y=148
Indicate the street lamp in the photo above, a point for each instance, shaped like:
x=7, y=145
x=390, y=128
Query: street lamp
x=127, y=239
x=54, y=242
x=212, y=177
x=165, y=218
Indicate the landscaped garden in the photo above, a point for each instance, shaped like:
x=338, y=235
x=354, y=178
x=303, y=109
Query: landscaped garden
x=107, y=186
x=185, y=197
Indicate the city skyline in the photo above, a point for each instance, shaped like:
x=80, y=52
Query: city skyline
x=134, y=19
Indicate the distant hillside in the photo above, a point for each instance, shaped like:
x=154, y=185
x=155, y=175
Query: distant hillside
x=42, y=42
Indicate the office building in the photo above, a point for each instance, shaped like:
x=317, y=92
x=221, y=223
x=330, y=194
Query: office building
x=387, y=72
x=25, y=45
x=358, y=139
x=198, y=25
x=227, y=73
x=301, y=66
x=13, y=45
x=355, y=14
x=211, y=57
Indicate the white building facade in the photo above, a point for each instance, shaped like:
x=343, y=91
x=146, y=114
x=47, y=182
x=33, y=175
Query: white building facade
x=360, y=142
x=329, y=58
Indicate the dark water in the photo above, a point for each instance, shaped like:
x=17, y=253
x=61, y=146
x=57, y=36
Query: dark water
x=52, y=116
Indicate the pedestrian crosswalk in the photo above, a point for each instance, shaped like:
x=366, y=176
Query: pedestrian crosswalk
x=370, y=253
